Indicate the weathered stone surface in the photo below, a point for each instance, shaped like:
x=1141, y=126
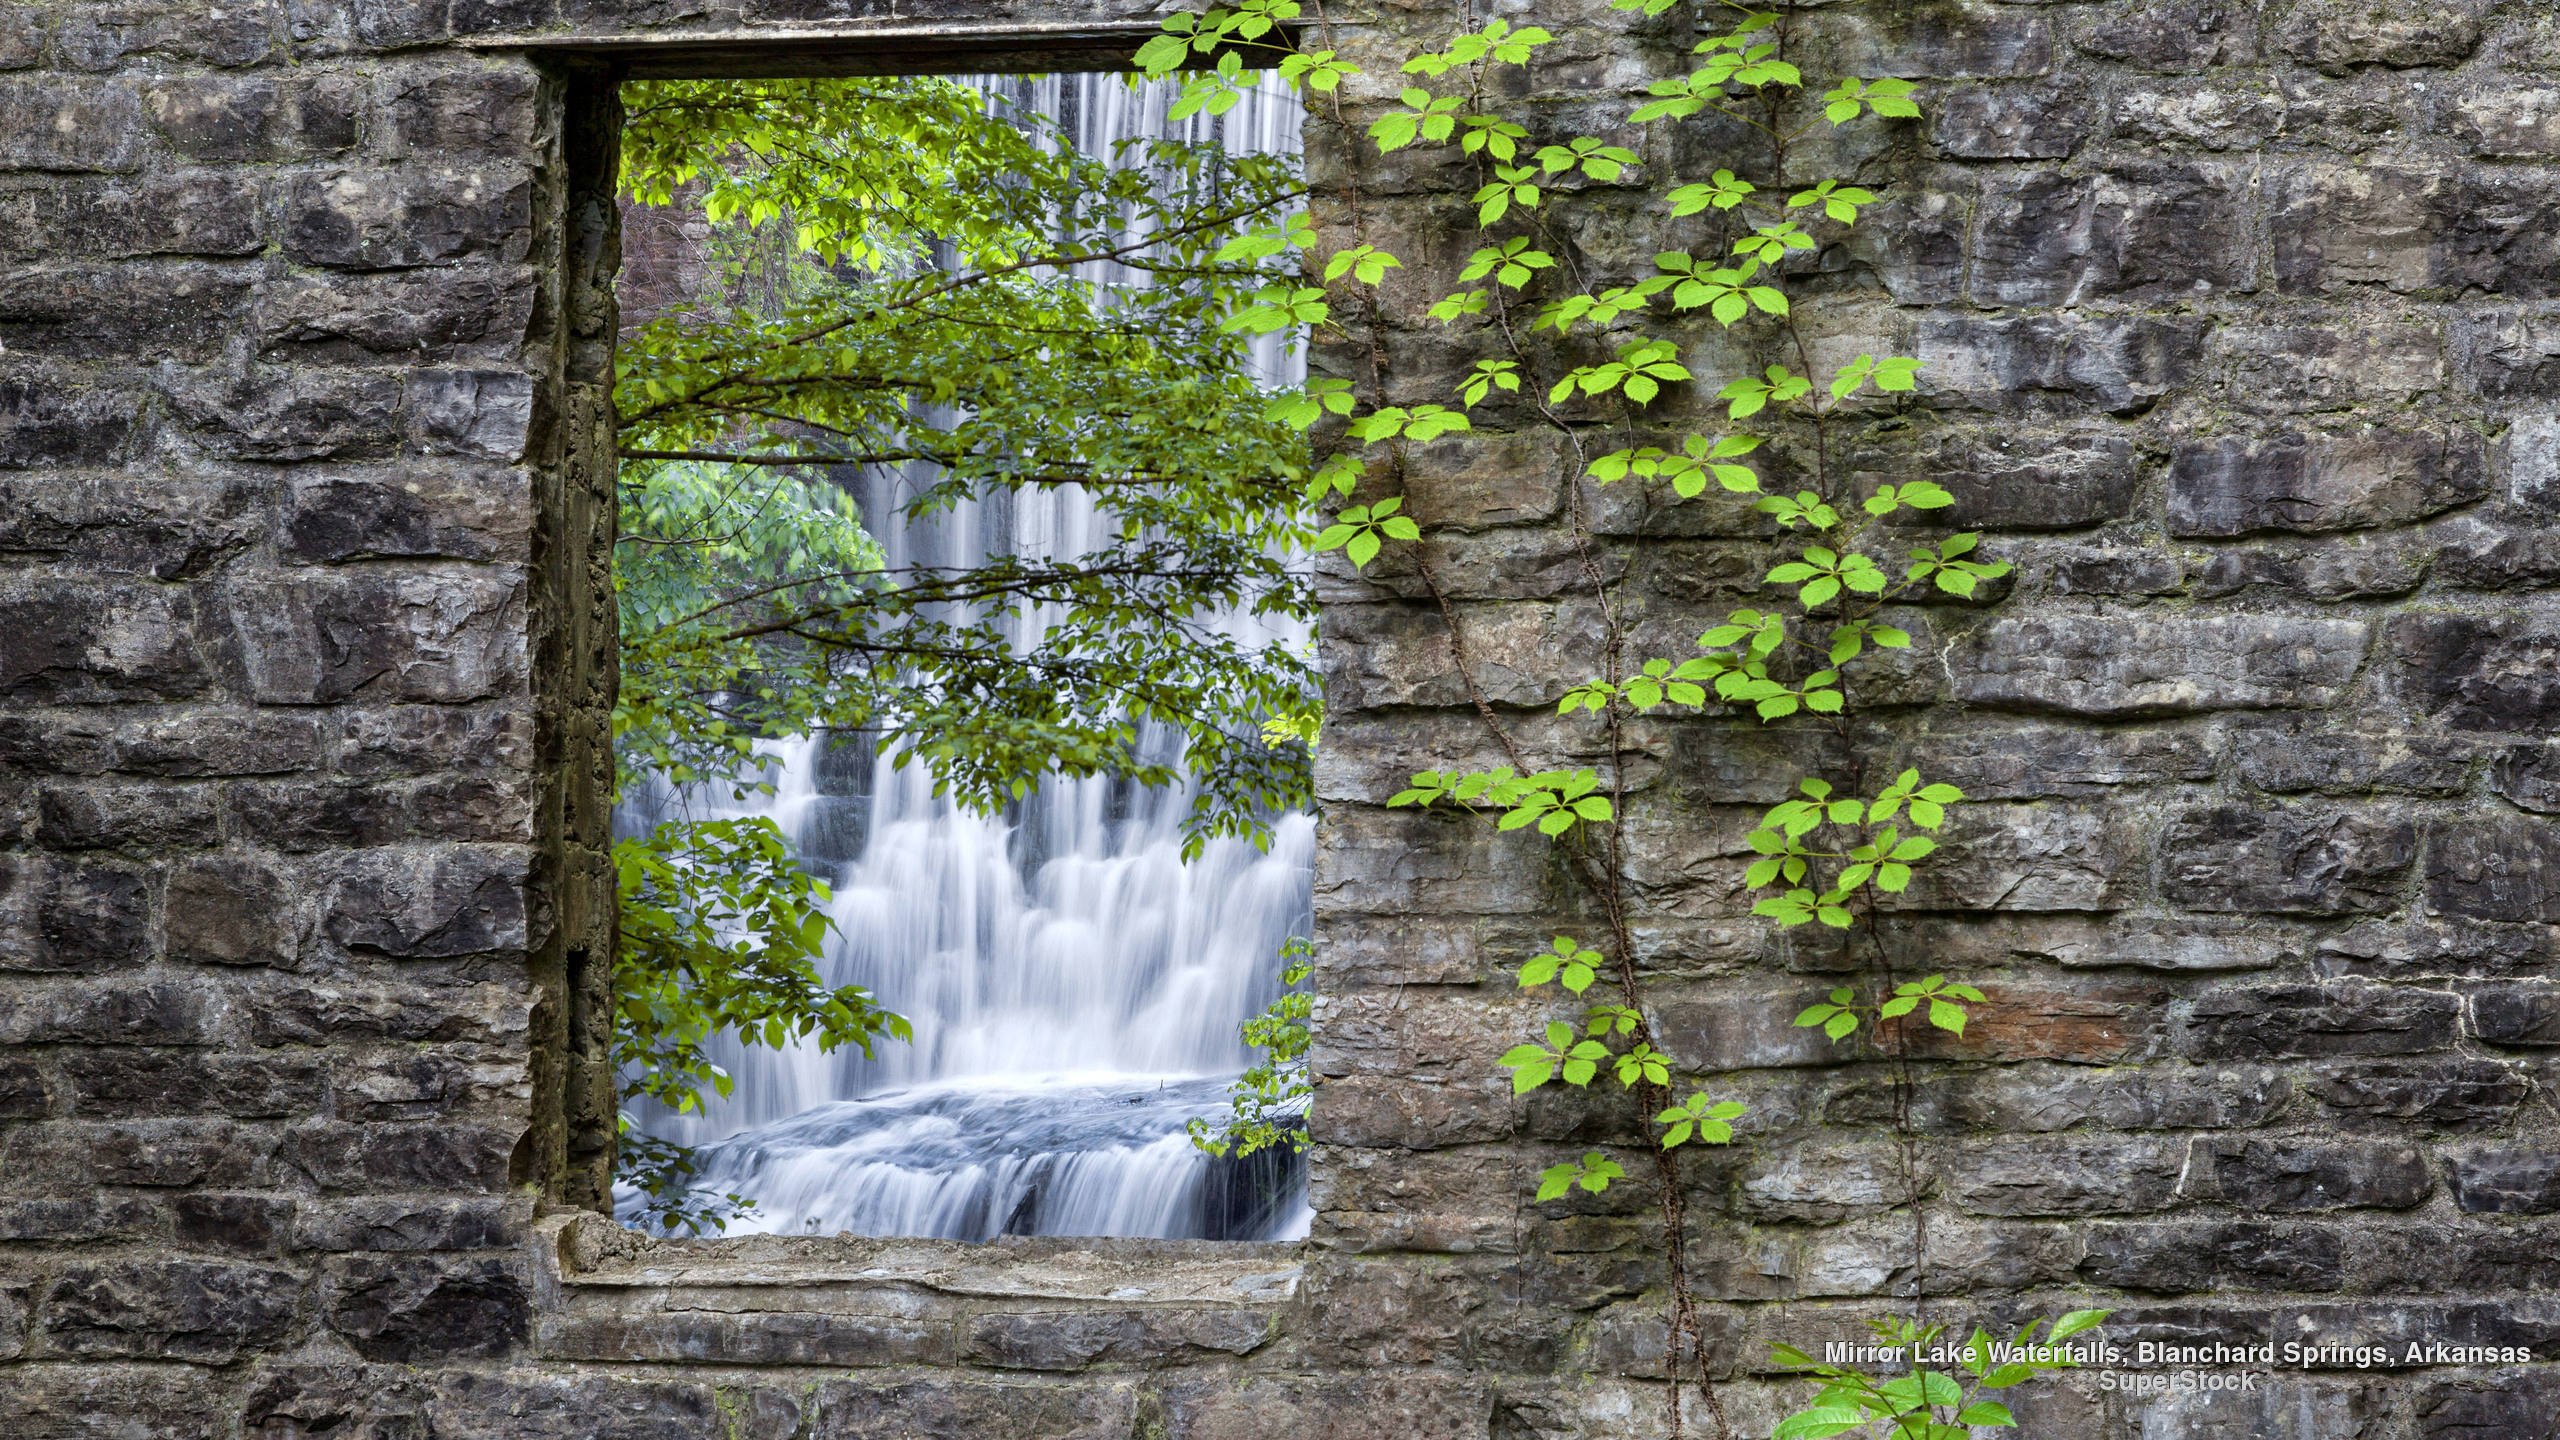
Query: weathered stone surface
x=441, y=1156
x=2067, y=1177
x=2298, y=1021
x=2505, y=1182
x=2115, y=364
x=2313, y=483
x=2108, y=571
x=74, y=126
x=2313, y=860
x=2040, y=481
x=2137, y=230
x=373, y=219
x=2182, y=37
x=2110, y=667
x=2337, y=36
x=422, y=1309
x=103, y=1402
x=176, y=311
x=1072, y=1340
x=2506, y=868
x=2185, y=1257
x=2477, y=672
x=2412, y=230
x=2284, y=760
x=2320, y=572
x=2029, y=762
x=2526, y=1014
x=2012, y=122
x=869, y=1410
x=447, y=902
x=2292, y=1175
x=381, y=638
x=2509, y=124
x=2028, y=857
x=396, y=1225
x=1378, y=1407
x=122, y=1082
x=65, y=916
x=437, y=316
x=2440, y=1094
x=255, y=118
x=172, y=1309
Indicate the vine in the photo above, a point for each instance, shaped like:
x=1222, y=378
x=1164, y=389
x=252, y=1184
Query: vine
x=1831, y=853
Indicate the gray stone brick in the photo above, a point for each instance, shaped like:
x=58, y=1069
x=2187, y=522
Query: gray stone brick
x=2309, y=483
x=376, y=219
x=2135, y=229
x=2294, y=1175
x=173, y=1309
x=2305, y=1021
x=2505, y=1182
x=220, y=117
x=2121, y=667
x=2312, y=860
x=70, y=126
x=2337, y=36
x=2507, y=868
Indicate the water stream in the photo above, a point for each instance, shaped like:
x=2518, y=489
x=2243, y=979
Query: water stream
x=1075, y=986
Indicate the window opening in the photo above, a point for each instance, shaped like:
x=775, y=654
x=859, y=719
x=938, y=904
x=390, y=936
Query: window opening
x=1075, y=962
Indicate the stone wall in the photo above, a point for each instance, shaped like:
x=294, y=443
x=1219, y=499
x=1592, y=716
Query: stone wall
x=2234, y=325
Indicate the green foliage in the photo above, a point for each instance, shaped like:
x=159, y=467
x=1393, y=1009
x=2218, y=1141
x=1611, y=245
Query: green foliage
x=1268, y=1103
x=720, y=932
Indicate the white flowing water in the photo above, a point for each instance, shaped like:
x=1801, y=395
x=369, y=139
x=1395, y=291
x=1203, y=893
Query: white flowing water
x=1075, y=985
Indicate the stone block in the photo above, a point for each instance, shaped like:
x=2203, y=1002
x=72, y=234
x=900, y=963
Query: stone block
x=2503, y=868
x=280, y=414
x=110, y=1012
x=2333, y=571
x=2339, y=36
x=232, y=910
x=103, y=1402
x=2027, y=857
x=483, y=414
x=401, y=1224
x=2290, y=1022
x=381, y=637
x=199, y=1310
x=2524, y=1014
x=299, y=815
x=2411, y=230
x=58, y=915
x=1075, y=1339
x=432, y=316
x=1412, y=1406
x=218, y=743
x=2477, y=672
x=2424, y=947
x=2307, y=484
x=446, y=902
x=138, y=819
x=1090, y=1409
x=461, y=515
x=191, y=213
x=408, y=1309
x=755, y=1337
x=70, y=126
x=2066, y=1176
x=1411, y=863
x=119, y=1082
x=340, y=1013
x=2466, y=1406
x=2522, y=123
x=446, y=110
x=1946, y=39
x=2305, y=1175
x=222, y=117
x=2306, y=369
x=2120, y=667
x=2064, y=364
x=2033, y=762
x=2040, y=480
x=424, y=214
x=52, y=419
x=435, y=739
x=233, y=1224
x=2012, y=122
x=2302, y=860
x=182, y=311
x=2505, y=1182
x=2188, y=1256
x=2107, y=570
x=2436, y=1094
x=2138, y=230
x=451, y=1157
x=2180, y=38
x=2286, y=760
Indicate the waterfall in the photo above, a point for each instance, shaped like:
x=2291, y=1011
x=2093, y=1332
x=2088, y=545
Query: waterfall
x=1075, y=985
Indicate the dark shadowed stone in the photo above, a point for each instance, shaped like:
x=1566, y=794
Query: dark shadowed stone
x=98, y=644
x=83, y=918
x=2478, y=672
x=412, y=316
x=1951, y=41
x=2067, y=1177
x=1382, y=1405
x=2308, y=484
x=2153, y=231
x=2067, y=364
x=2439, y=1094
x=2413, y=230
x=24, y=1095
x=193, y=214
x=2301, y=1021
x=161, y=1082
x=219, y=743
x=2109, y=571
x=232, y=910
x=754, y=1338
x=172, y=1309
x=433, y=905
x=407, y=1223
x=2523, y=1014
x=2182, y=1258
x=449, y=1156
x=279, y=414
x=105, y=1402
x=2478, y=1408
x=2506, y=1182
x=469, y=515
x=239, y=1224
x=2121, y=667
x=297, y=815
x=52, y=419
x=2336, y=36
x=135, y=818
x=2294, y=1175
x=2506, y=868
x=177, y=311
x=305, y=1402
x=2305, y=860
x=115, y=1012
x=439, y=110
x=410, y=1310
x=1072, y=1340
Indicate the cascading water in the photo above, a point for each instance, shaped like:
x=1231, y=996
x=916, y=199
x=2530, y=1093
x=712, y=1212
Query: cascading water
x=1075, y=986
